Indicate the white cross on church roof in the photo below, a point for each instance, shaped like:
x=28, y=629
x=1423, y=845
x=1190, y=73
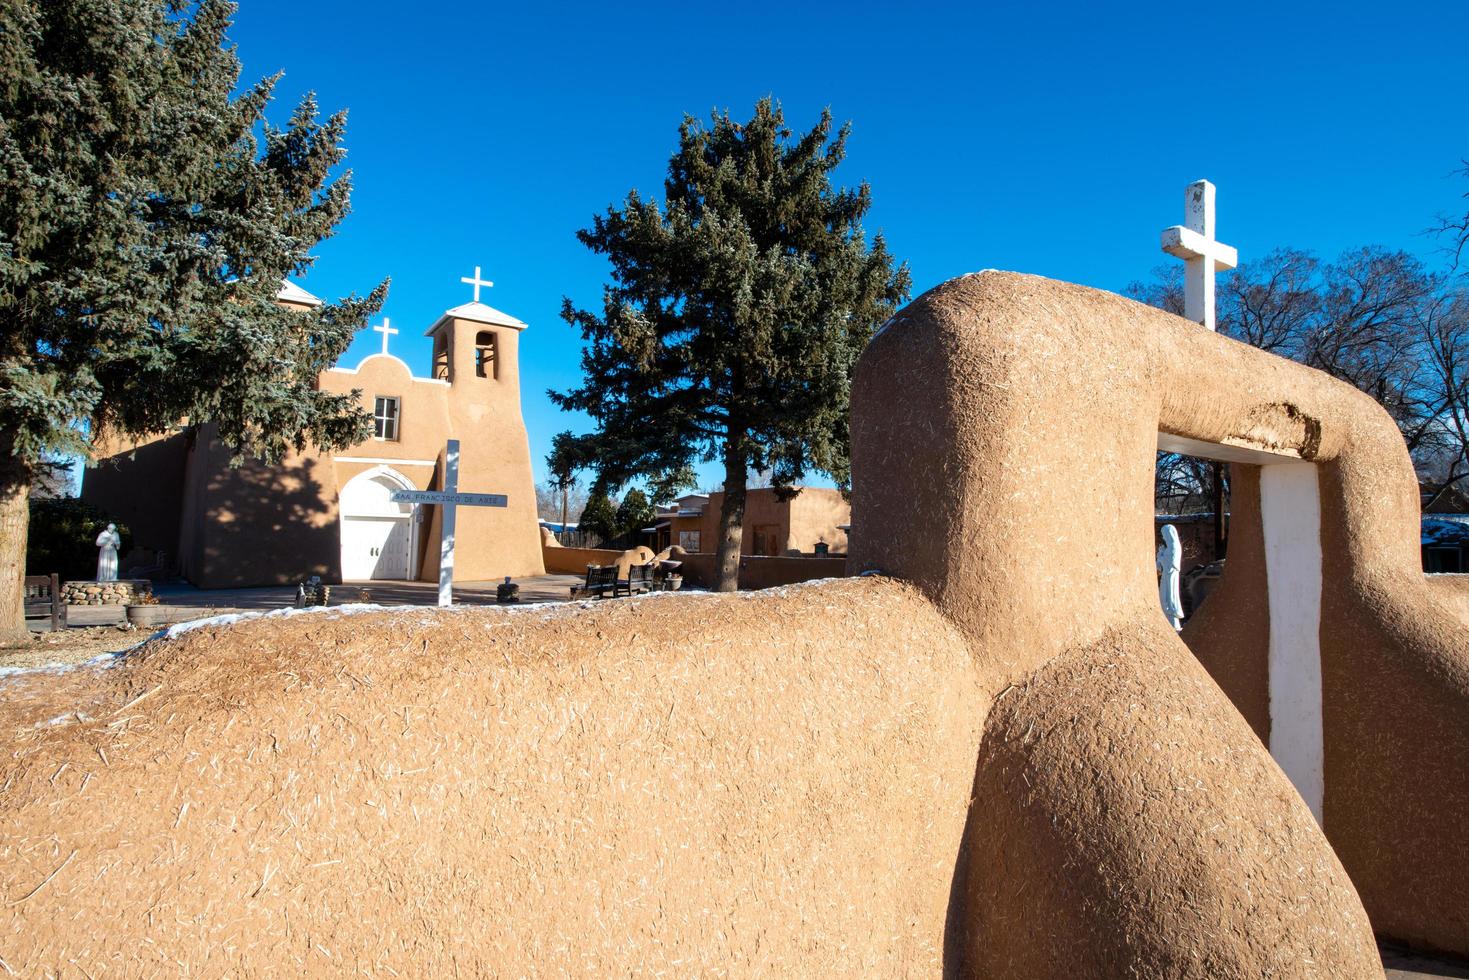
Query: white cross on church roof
x=1193, y=241
x=386, y=330
x=476, y=282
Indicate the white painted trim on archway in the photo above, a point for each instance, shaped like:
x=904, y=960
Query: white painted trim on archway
x=1290, y=510
x=387, y=461
x=1170, y=443
x=413, y=516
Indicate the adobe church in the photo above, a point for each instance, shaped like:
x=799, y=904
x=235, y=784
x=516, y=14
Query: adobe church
x=332, y=514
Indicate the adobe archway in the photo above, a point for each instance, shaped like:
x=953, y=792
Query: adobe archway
x=1009, y=387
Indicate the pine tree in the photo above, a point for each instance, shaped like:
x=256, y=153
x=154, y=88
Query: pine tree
x=147, y=217
x=736, y=312
x=598, y=517
x=634, y=513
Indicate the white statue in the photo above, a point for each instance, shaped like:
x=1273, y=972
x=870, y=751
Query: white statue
x=109, y=541
x=1170, y=561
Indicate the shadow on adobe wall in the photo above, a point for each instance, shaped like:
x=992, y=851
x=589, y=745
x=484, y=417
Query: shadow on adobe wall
x=265, y=525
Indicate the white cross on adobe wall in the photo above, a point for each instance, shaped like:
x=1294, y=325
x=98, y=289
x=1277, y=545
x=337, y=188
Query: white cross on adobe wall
x=386, y=330
x=1193, y=241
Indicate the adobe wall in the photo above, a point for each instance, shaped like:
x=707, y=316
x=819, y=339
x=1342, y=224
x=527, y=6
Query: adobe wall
x=257, y=524
x=425, y=414
x=762, y=509
x=707, y=780
x=799, y=523
x=1230, y=631
x=815, y=514
x=1395, y=690
x=574, y=561
x=683, y=522
x=140, y=483
x=501, y=789
x=1022, y=372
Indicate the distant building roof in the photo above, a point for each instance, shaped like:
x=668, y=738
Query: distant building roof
x=292, y=293
x=1446, y=530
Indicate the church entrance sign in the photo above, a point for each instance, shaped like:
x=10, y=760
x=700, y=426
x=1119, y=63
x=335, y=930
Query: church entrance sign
x=442, y=497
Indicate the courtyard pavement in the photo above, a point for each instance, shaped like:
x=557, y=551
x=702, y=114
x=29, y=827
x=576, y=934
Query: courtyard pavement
x=536, y=588
x=1401, y=964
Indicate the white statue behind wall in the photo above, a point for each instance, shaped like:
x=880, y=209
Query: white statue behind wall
x=1170, y=564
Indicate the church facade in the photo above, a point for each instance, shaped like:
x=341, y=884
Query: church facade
x=331, y=514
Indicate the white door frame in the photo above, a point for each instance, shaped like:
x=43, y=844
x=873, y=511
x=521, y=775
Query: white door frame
x=393, y=476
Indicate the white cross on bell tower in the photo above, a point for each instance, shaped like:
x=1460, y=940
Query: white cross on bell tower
x=387, y=330
x=476, y=282
x=1193, y=241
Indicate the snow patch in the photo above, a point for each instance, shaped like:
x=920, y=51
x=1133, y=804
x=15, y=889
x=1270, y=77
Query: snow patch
x=104, y=660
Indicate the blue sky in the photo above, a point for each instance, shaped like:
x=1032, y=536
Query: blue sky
x=1047, y=138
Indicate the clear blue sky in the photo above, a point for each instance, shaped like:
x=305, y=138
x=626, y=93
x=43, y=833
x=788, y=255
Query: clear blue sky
x=1053, y=138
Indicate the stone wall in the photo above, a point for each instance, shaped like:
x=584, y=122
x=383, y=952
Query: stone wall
x=124, y=592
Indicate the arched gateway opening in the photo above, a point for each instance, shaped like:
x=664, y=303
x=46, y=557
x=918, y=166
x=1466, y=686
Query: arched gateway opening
x=1290, y=521
x=378, y=535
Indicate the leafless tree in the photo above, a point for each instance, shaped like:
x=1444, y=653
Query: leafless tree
x=1183, y=485
x=549, y=502
x=1455, y=231
x=1270, y=303
x=1443, y=450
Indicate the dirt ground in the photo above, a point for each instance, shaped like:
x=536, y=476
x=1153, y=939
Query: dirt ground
x=70, y=646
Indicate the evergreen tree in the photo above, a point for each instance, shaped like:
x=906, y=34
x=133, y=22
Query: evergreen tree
x=598, y=516
x=147, y=218
x=634, y=513
x=736, y=312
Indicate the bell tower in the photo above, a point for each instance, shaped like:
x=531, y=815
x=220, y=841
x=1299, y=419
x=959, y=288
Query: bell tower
x=476, y=352
x=477, y=344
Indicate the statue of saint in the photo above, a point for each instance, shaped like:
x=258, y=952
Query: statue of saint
x=1170, y=562
x=109, y=541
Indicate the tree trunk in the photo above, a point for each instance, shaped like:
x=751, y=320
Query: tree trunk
x=731, y=525
x=563, y=537
x=15, y=519
x=1221, y=542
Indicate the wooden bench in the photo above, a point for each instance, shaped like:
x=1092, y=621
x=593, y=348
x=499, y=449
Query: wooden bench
x=601, y=581
x=639, y=579
x=43, y=603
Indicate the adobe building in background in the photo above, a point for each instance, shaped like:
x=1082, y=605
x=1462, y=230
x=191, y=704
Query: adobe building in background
x=777, y=522
x=331, y=514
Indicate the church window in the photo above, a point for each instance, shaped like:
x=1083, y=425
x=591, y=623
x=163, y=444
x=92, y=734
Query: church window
x=385, y=418
x=486, y=364
x=689, y=541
